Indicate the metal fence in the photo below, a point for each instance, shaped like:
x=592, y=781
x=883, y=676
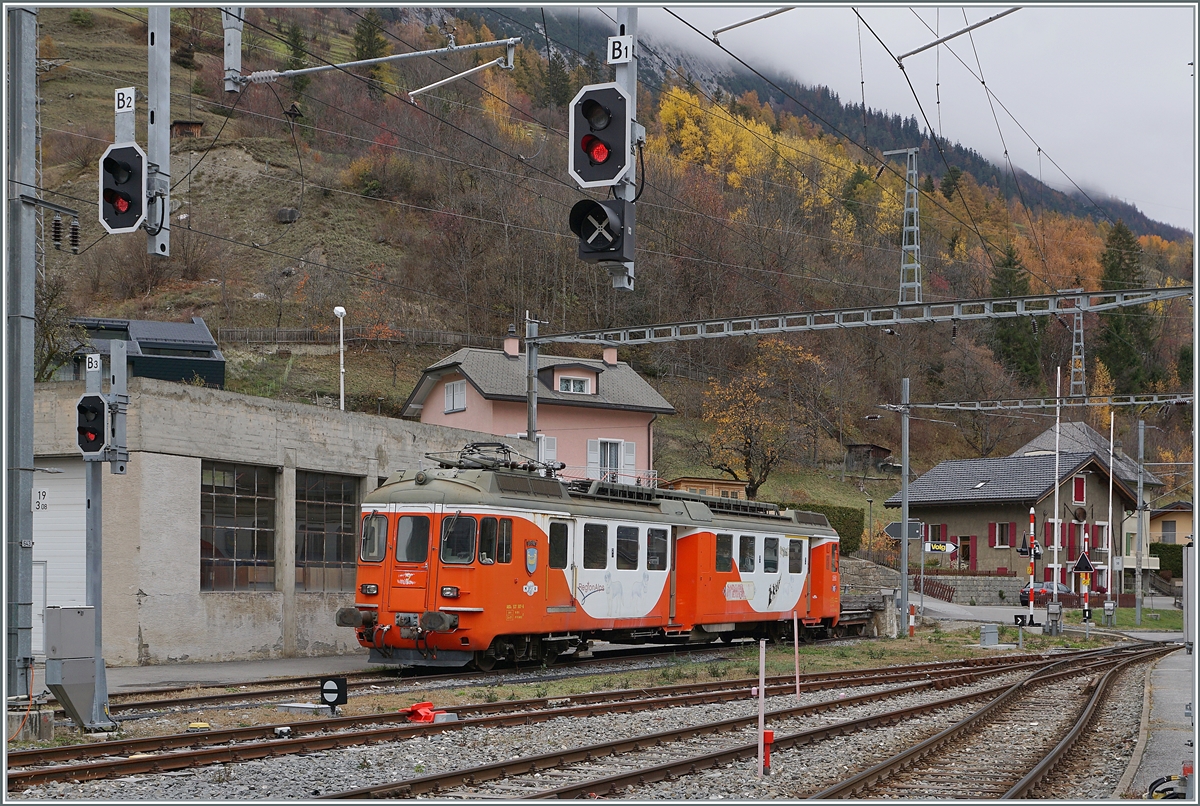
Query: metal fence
x=353, y=335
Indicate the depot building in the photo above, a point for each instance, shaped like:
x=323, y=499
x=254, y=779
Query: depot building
x=231, y=536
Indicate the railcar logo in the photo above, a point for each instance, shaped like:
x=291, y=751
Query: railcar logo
x=530, y=588
x=405, y=579
x=531, y=560
x=739, y=591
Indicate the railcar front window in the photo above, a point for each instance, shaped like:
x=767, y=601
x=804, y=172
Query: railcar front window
x=374, y=538
x=770, y=554
x=412, y=539
x=746, y=553
x=595, y=545
x=458, y=539
x=656, y=549
x=627, y=548
x=724, y=552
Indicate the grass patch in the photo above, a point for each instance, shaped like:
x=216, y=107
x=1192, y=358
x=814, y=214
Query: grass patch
x=1168, y=620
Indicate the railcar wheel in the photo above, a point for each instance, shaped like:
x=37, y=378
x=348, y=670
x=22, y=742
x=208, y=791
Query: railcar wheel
x=484, y=662
x=839, y=631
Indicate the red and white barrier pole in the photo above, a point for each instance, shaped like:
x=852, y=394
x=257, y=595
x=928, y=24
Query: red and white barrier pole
x=796, y=648
x=912, y=621
x=1032, y=558
x=762, y=700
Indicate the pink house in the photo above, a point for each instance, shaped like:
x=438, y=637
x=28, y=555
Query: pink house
x=596, y=417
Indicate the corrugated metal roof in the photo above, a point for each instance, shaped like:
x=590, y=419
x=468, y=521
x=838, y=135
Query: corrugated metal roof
x=499, y=377
x=971, y=481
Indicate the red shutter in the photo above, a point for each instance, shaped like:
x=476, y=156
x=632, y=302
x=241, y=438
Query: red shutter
x=974, y=554
x=945, y=531
x=1072, y=529
x=1048, y=536
x=991, y=535
x=1079, y=489
x=1012, y=533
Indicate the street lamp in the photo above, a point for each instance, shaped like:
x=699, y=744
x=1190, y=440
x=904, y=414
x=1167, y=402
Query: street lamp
x=340, y=313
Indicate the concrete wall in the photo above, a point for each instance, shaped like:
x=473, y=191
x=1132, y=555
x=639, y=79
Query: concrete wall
x=154, y=611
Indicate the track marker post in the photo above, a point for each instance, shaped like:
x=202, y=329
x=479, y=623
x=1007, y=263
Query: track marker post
x=796, y=647
x=912, y=621
x=762, y=700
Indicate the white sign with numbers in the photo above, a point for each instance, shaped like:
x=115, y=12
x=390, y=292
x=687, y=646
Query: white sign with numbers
x=41, y=500
x=123, y=99
x=620, y=49
x=93, y=362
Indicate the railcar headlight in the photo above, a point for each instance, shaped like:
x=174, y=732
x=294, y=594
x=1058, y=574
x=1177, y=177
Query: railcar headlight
x=449, y=592
x=369, y=588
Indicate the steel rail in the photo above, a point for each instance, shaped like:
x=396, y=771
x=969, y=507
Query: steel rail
x=857, y=783
x=674, y=694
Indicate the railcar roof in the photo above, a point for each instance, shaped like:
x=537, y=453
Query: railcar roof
x=458, y=487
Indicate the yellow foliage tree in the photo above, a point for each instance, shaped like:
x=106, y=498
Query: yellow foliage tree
x=1102, y=386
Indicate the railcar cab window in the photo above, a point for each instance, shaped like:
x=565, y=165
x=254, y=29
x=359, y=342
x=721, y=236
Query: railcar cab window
x=495, y=540
x=456, y=396
x=374, y=539
x=746, y=553
x=412, y=539
x=627, y=548
x=724, y=553
x=458, y=539
x=558, y=545
x=577, y=386
x=770, y=554
x=595, y=545
x=656, y=549
x=795, y=556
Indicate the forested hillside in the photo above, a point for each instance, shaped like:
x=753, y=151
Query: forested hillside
x=451, y=214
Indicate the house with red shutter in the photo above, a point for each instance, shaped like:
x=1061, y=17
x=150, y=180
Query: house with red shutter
x=594, y=416
x=982, y=507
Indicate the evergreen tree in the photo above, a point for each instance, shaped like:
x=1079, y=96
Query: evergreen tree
x=1184, y=368
x=296, y=54
x=558, y=81
x=1013, y=341
x=370, y=44
x=1127, y=341
x=593, y=69
x=927, y=185
x=950, y=182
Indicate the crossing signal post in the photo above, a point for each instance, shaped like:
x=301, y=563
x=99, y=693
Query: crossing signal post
x=123, y=188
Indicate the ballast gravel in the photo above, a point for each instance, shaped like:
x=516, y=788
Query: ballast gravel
x=305, y=776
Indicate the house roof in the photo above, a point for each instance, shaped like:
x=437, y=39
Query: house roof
x=497, y=376
x=1077, y=437
x=140, y=333
x=1002, y=480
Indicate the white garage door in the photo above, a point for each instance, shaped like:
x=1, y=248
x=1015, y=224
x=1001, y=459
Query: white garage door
x=58, y=539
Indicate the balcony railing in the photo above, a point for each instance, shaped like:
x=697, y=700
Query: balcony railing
x=641, y=478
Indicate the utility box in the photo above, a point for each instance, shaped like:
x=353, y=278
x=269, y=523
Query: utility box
x=71, y=660
x=988, y=635
x=70, y=632
x=1054, y=616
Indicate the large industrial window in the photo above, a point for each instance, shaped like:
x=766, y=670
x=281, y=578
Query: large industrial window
x=627, y=548
x=326, y=510
x=746, y=554
x=595, y=545
x=237, y=527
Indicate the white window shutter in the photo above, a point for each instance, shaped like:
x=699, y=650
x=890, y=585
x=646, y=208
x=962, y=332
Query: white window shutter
x=593, y=458
x=629, y=462
x=449, y=397
x=549, y=446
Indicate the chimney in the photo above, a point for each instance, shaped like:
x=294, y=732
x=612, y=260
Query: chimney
x=512, y=345
x=610, y=356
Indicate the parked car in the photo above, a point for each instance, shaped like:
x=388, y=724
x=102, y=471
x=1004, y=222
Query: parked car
x=1040, y=588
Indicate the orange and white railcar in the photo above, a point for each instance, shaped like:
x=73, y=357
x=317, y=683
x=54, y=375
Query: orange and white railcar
x=481, y=560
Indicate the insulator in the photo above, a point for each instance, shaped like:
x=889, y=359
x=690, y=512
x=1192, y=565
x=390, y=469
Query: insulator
x=1034, y=320
x=953, y=331
x=74, y=236
x=56, y=231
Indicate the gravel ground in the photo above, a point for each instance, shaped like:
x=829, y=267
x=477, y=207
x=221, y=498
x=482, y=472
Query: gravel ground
x=299, y=777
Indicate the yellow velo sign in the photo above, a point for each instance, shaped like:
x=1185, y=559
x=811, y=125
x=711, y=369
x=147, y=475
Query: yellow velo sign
x=1085, y=580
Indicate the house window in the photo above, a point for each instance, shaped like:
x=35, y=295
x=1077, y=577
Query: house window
x=576, y=386
x=1078, y=485
x=1168, y=531
x=729, y=493
x=456, y=396
x=1003, y=539
x=237, y=527
x=610, y=460
x=326, y=509
x=935, y=533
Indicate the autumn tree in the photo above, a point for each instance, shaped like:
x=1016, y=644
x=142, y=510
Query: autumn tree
x=1126, y=334
x=751, y=415
x=1013, y=340
x=55, y=339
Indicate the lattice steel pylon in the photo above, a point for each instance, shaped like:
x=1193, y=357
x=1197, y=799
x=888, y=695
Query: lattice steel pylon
x=910, y=245
x=1078, y=367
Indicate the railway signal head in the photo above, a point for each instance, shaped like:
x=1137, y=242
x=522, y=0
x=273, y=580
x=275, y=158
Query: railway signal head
x=92, y=425
x=123, y=188
x=605, y=230
x=600, y=127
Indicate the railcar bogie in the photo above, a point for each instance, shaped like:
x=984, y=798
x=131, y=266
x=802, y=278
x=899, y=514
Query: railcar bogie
x=486, y=559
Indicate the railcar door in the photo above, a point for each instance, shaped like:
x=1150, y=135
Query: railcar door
x=409, y=577
x=562, y=574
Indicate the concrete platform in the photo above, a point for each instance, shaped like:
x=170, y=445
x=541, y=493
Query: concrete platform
x=1161, y=748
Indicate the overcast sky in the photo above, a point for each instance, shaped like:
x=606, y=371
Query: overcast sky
x=1107, y=92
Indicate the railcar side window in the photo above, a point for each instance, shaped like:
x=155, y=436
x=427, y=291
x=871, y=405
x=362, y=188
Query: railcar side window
x=487, y=540
x=458, y=539
x=504, y=542
x=724, y=552
x=795, y=556
x=746, y=553
x=595, y=545
x=835, y=556
x=627, y=548
x=374, y=538
x=412, y=539
x=558, y=545
x=770, y=554
x=656, y=549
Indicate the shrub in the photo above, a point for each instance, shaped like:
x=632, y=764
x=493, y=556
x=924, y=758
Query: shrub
x=83, y=18
x=848, y=522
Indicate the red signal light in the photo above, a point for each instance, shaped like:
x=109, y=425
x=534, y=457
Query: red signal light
x=596, y=149
x=119, y=202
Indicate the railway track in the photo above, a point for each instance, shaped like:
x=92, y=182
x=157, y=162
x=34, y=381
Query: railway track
x=183, y=751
